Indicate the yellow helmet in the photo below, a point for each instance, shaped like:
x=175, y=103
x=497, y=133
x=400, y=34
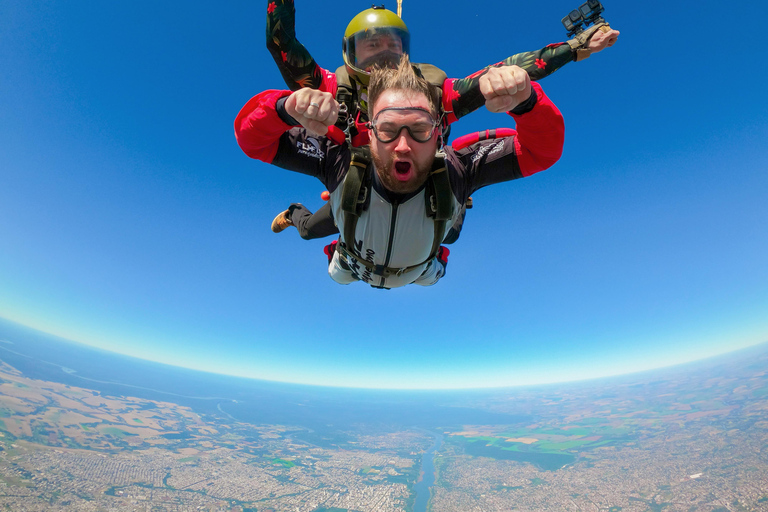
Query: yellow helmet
x=375, y=36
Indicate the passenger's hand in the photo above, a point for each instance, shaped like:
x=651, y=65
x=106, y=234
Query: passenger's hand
x=505, y=87
x=315, y=110
x=601, y=40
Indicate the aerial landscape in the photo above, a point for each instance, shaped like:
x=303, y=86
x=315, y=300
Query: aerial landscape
x=688, y=438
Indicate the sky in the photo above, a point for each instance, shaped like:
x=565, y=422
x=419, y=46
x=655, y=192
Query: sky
x=131, y=221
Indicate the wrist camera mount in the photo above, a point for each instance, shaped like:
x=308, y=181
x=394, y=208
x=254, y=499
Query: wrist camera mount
x=579, y=19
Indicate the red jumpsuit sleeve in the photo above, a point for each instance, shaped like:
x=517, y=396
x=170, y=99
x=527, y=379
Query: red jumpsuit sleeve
x=328, y=83
x=258, y=126
x=449, y=96
x=540, y=135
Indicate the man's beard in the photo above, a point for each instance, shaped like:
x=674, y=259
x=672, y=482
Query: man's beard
x=385, y=59
x=385, y=170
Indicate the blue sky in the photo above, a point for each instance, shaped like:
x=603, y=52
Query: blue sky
x=130, y=220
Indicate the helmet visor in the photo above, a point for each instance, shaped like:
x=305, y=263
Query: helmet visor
x=380, y=45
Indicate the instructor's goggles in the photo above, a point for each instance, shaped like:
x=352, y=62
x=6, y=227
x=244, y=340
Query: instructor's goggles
x=389, y=122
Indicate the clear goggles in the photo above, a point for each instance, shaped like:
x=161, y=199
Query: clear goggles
x=390, y=122
x=382, y=45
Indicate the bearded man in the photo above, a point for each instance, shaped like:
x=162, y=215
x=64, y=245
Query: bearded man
x=391, y=237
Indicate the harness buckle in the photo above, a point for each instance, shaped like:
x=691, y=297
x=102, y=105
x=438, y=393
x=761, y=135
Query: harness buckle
x=363, y=197
x=344, y=115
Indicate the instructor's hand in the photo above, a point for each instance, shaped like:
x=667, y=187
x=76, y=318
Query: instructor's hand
x=603, y=39
x=315, y=110
x=505, y=87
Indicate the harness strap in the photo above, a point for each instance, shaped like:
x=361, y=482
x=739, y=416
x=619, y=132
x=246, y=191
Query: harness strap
x=356, y=191
x=345, y=95
x=439, y=202
x=378, y=270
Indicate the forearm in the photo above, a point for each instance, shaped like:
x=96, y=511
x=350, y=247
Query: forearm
x=293, y=60
x=462, y=96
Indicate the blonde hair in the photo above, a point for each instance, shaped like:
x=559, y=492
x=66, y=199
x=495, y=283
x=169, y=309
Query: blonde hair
x=403, y=78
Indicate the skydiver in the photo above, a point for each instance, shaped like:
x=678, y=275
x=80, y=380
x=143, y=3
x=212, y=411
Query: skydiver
x=392, y=238
x=379, y=36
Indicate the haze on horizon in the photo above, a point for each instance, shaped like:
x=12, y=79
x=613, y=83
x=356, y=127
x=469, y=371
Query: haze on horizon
x=130, y=221
x=12, y=333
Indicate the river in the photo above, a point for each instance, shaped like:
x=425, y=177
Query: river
x=427, y=479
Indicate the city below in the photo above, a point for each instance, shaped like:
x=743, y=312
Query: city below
x=689, y=438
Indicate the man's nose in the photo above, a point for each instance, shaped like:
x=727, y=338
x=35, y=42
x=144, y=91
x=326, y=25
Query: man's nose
x=403, y=142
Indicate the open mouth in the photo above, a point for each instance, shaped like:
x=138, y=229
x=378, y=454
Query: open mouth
x=402, y=170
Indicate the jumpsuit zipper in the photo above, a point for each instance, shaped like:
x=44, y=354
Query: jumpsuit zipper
x=392, y=221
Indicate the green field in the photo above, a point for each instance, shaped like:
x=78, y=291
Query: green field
x=283, y=462
x=114, y=431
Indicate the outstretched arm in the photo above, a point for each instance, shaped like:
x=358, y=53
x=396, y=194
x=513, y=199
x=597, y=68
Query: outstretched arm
x=536, y=144
x=295, y=63
x=272, y=127
x=462, y=96
x=540, y=128
x=267, y=116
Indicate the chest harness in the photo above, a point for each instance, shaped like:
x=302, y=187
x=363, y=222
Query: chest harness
x=356, y=197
